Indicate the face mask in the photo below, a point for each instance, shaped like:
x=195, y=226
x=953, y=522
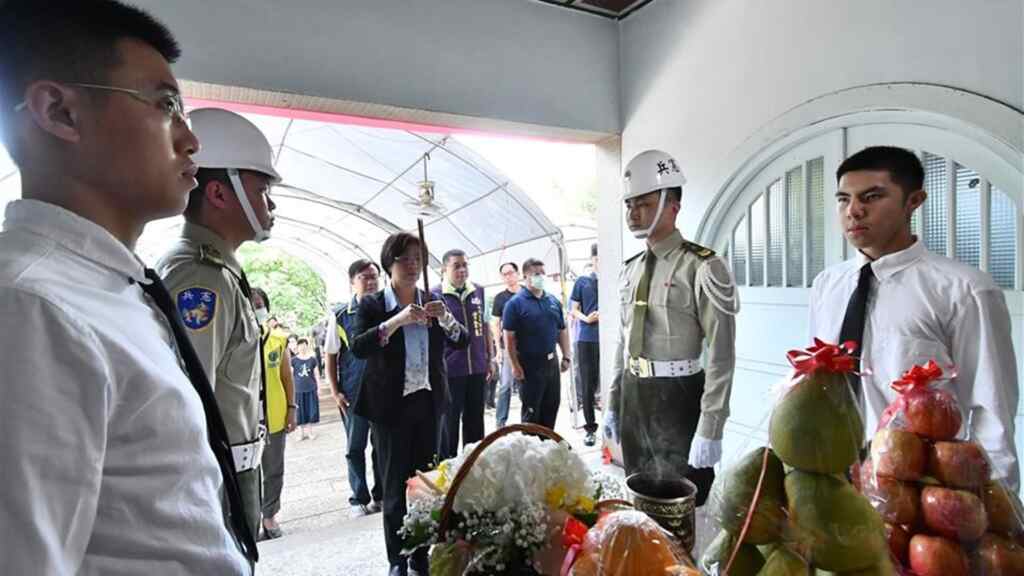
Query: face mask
x=537, y=282
x=262, y=315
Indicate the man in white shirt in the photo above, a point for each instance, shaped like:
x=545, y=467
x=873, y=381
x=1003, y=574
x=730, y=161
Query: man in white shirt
x=919, y=306
x=107, y=463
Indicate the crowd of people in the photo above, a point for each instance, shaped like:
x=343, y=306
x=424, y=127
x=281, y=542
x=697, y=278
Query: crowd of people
x=146, y=409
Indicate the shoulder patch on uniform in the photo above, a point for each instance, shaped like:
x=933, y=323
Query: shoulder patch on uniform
x=702, y=252
x=210, y=255
x=197, y=307
x=634, y=257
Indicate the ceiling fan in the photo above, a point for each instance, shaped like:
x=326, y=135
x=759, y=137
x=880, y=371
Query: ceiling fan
x=425, y=205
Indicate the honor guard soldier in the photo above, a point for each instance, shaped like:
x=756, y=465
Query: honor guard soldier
x=676, y=298
x=230, y=206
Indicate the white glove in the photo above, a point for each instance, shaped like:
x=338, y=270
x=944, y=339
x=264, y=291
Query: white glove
x=705, y=453
x=611, y=426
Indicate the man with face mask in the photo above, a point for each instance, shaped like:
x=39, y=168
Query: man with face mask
x=533, y=322
x=676, y=299
x=230, y=206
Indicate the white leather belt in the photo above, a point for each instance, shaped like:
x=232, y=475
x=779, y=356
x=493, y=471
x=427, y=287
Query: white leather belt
x=249, y=455
x=644, y=368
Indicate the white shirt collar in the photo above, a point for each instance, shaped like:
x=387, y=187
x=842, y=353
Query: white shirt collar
x=391, y=299
x=890, y=264
x=76, y=234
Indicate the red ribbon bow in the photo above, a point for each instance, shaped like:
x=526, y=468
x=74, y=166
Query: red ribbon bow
x=918, y=377
x=573, y=534
x=824, y=356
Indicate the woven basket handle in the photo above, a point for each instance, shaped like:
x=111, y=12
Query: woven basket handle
x=460, y=477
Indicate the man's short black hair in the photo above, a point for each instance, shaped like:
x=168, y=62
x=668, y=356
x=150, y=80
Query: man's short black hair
x=263, y=295
x=355, y=268
x=195, y=198
x=453, y=253
x=903, y=166
x=69, y=41
x=395, y=246
x=302, y=341
x=512, y=264
x=530, y=263
x=674, y=193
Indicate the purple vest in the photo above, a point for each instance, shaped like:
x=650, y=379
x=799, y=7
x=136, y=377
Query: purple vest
x=469, y=311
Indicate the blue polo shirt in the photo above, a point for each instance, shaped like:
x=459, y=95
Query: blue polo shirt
x=536, y=322
x=585, y=292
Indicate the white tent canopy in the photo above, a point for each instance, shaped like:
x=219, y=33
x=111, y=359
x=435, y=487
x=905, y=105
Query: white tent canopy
x=344, y=191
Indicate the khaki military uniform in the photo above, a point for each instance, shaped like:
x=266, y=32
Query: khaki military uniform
x=690, y=312
x=206, y=281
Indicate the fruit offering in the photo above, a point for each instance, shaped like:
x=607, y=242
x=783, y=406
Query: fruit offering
x=944, y=514
x=733, y=492
x=816, y=426
x=629, y=542
x=793, y=501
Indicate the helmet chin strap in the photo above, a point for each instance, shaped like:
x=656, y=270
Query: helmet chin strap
x=657, y=216
x=250, y=214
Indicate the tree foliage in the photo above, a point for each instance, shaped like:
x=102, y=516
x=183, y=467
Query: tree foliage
x=297, y=293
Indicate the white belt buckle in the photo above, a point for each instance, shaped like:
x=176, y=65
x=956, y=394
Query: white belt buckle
x=551, y=355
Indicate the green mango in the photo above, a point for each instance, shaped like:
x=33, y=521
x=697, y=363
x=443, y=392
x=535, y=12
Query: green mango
x=734, y=490
x=816, y=426
x=834, y=523
x=784, y=562
x=748, y=560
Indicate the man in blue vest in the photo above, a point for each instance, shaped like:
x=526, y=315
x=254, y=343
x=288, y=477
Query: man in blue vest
x=470, y=367
x=344, y=371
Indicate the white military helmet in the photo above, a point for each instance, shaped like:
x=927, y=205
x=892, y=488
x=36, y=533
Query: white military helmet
x=230, y=142
x=651, y=171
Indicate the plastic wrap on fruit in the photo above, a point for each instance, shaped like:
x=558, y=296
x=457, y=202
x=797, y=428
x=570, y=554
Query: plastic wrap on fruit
x=922, y=406
x=944, y=514
x=629, y=543
x=816, y=425
x=749, y=498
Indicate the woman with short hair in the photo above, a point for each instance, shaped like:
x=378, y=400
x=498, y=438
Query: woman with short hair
x=404, y=391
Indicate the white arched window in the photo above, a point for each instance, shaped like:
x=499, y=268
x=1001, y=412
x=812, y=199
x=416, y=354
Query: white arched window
x=781, y=222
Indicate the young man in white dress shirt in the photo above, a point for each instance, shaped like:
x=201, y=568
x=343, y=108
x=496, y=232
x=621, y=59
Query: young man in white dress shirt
x=920, y=306
x=107, y=465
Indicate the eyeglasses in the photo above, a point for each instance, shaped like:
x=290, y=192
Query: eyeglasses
x=167, y=100
x=411, y=261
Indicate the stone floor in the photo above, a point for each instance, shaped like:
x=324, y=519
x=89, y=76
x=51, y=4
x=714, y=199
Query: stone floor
x=322, y=535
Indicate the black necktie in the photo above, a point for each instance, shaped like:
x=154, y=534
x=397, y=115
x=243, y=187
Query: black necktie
x=856, y=316
x=215, y=431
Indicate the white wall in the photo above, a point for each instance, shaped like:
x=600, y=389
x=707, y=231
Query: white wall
x=505, y=59
x=700, y=76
